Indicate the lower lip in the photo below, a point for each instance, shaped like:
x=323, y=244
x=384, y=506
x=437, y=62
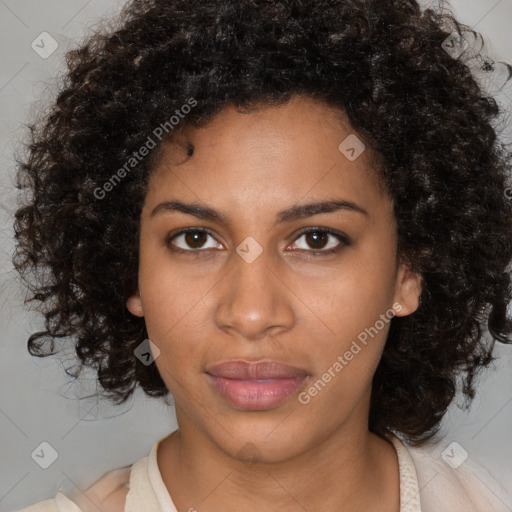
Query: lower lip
x=256, y=395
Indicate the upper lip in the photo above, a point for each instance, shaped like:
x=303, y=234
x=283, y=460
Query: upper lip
x=245, y=370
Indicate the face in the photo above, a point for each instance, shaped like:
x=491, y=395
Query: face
x=308, y=293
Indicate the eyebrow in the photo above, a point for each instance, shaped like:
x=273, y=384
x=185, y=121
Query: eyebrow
x=290, y=214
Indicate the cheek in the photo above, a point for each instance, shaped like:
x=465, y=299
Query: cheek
x=174, y=318
x=349, y=327
x=170, y=295
x=171, y=308
x=346, y=349
x=171, y=322
x=348, y=298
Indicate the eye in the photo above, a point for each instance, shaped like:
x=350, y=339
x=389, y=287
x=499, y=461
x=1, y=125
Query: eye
x=192, y=237
x=318, y=238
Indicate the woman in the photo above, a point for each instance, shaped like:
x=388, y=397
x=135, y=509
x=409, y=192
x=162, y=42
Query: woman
x=292, y=217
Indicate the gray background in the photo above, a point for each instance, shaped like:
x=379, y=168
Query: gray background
x=38, y=401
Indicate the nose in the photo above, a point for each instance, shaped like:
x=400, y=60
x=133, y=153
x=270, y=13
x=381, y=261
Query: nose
x=253, y=301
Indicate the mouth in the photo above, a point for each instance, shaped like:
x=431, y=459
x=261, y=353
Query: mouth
x=255, y=386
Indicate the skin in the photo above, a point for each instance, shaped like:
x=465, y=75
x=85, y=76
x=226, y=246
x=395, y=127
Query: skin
x=209, y=306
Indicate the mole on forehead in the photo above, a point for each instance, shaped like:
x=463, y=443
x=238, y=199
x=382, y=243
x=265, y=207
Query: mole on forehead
x=175, y=152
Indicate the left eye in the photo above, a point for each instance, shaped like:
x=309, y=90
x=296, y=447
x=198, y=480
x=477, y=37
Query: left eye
x=316, y=238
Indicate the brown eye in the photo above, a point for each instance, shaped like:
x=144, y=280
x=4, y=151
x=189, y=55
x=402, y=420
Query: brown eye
x=317, y=241
x=190, y=239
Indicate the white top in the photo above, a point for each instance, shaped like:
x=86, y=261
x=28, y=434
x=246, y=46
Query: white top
x=427, y=484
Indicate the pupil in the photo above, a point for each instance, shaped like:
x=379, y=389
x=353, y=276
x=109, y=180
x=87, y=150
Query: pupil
x=195, y=237
x=315, y=235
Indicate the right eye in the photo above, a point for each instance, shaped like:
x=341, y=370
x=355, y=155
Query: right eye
x=192, y=239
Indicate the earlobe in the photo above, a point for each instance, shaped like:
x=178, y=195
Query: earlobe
x=134, y=304
x=409, y=288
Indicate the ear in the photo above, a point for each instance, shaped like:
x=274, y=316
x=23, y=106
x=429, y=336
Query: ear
x=408, y=291
x=134, y=304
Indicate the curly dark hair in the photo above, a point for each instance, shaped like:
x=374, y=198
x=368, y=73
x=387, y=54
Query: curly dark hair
x=384, y=63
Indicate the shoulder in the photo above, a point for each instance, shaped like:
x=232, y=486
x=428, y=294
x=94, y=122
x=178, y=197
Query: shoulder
x=107, y=494
x=450, y=479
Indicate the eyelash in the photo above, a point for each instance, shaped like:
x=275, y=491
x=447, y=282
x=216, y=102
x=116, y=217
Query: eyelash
x=345, y=241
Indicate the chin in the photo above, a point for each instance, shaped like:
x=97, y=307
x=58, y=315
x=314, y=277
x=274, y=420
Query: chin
x=269, y=442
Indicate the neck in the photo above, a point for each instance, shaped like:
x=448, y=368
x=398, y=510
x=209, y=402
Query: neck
x=351, y=469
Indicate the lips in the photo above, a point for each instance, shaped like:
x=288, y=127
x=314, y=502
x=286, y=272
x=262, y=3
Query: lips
x=243, y=370
x=255, y=385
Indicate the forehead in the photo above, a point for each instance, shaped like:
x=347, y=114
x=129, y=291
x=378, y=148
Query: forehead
x=273, y=154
